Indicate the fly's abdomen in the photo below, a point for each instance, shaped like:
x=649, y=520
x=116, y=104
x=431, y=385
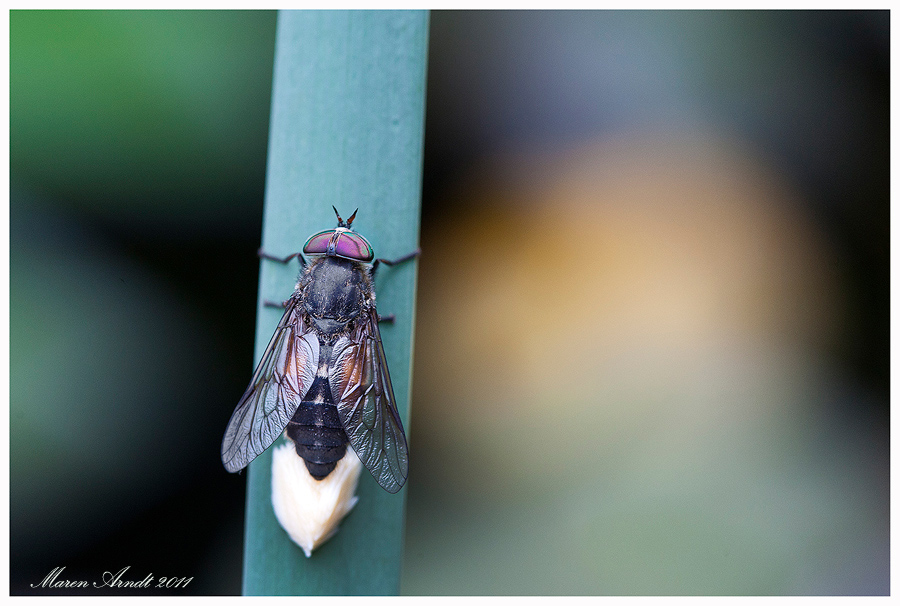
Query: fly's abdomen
x=316, y=431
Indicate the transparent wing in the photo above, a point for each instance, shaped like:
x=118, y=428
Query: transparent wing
x=361, y=384
x=284, y=375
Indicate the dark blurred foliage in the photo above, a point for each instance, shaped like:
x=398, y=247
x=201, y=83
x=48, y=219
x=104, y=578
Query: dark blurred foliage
x=137, y=161
x=138, y=144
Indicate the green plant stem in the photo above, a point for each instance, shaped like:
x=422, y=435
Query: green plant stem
x=346, y=130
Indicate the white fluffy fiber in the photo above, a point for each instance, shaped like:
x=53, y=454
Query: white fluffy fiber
x=310, y=510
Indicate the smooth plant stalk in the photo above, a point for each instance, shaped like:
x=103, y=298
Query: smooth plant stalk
x=346, y=130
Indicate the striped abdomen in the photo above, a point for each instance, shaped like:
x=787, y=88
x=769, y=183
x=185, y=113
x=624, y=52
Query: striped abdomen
x=316, y=430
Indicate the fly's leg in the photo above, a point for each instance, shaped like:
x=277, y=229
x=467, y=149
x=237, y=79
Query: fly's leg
x=389, y=319
x=264, y=255
x=402, y=259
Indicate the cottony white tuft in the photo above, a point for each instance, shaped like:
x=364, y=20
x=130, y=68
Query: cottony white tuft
x=310, y=510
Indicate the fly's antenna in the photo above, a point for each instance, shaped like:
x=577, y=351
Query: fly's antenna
x=340, y=221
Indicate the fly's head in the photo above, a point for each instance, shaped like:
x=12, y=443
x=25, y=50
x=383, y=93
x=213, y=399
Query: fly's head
x=341, y=242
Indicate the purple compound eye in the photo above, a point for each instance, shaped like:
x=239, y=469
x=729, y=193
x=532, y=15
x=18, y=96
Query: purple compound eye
x=318, y=244
x=353, y=246
x=340, y=243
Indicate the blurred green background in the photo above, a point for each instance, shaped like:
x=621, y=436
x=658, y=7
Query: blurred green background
x=652, y=337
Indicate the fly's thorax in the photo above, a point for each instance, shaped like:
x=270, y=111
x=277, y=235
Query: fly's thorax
x=335, y=291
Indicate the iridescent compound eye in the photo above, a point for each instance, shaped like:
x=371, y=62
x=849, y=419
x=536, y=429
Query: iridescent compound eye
x=318, y=244
x=353, y=246
x=340, y=243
